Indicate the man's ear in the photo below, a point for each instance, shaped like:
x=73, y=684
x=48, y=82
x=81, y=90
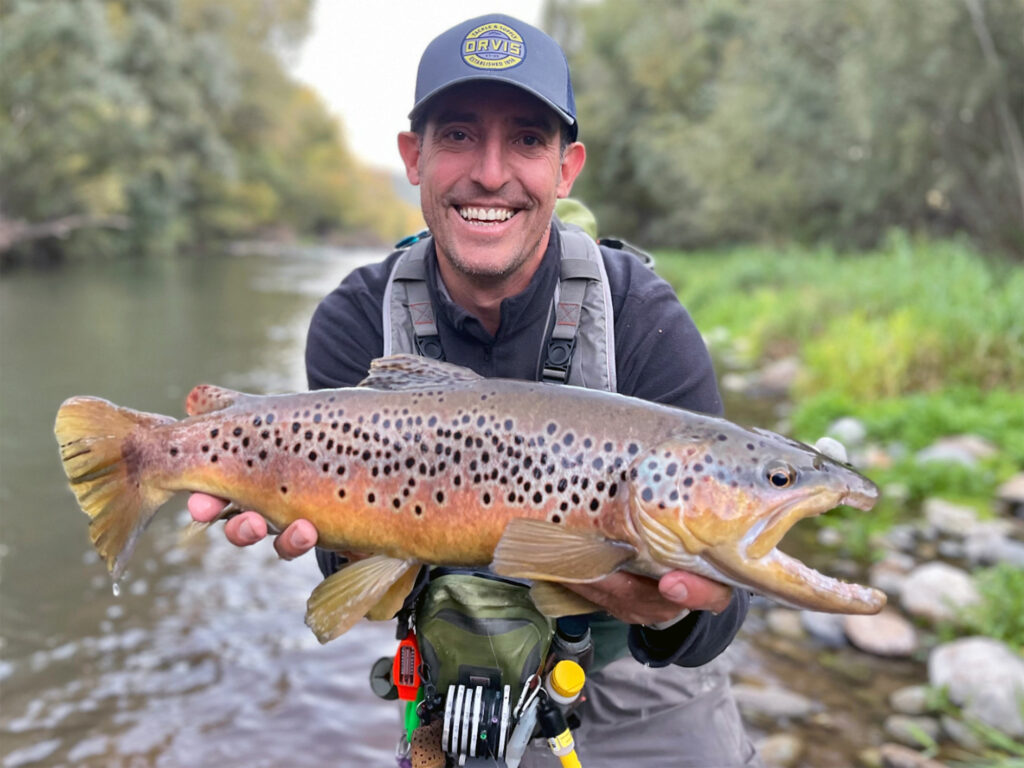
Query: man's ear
x=572, y=163
x=409, y=149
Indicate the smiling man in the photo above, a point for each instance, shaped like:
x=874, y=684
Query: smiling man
x=499, y=287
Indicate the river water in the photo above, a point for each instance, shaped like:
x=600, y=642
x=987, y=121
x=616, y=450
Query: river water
x=203, y=659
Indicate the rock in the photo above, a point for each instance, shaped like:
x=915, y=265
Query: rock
x=961, y=733
x=889, y=573
x=952, y=550
x=1010, y=495
x=937, y=592
x=778, y=376
x=829, y=537
x=885, y=634
x=849, y=431
x=990, y=544
x=910, y=700
x=833, y=449
x=785, y=623
x=898, y=756
x=826, y=628
x=918, y=732
x=901, y=538
x=772, y=704
x=959, y=449
x=948, y=518
x=985, y=678
x=780, y=750
x=886, y=578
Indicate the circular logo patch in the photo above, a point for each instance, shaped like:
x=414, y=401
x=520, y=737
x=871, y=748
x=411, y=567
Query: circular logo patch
x=493, y=46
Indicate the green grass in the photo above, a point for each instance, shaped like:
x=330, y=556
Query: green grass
x=910, y=317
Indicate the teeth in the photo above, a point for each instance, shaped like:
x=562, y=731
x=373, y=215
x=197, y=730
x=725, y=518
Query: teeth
x=486, y=214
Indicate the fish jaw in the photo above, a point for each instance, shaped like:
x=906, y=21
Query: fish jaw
x=728, y=525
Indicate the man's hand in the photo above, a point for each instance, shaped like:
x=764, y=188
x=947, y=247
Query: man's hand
x=639, y=600
x=247, y=528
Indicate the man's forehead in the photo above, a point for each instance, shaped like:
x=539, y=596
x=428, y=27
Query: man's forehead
x=473, y=102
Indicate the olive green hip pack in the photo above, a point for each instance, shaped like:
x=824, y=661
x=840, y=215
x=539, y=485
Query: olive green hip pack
x=480, y=630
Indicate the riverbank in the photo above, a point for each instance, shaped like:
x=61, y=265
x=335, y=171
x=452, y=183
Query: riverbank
x=913, y=357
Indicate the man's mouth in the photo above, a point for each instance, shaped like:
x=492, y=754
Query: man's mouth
x=486, y=215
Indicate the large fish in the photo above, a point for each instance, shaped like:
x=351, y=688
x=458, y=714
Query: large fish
x=429, y=463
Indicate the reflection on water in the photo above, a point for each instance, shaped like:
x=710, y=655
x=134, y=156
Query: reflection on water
x=204, y=658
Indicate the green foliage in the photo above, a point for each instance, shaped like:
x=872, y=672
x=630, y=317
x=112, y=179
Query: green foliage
x=1000, y=613
x=738, y=121
x=178, y=118
x=912, y=316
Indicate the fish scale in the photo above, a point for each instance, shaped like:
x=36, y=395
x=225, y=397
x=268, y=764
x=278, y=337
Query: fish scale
x=429, y=463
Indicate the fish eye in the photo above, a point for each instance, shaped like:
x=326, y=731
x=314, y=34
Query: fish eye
x=781, y=477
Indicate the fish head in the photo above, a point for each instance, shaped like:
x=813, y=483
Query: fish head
x=728, y=495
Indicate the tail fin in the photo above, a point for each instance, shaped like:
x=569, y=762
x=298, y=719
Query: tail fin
x=105, y=468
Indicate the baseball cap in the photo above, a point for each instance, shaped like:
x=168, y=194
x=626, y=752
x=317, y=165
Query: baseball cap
x=503, y=49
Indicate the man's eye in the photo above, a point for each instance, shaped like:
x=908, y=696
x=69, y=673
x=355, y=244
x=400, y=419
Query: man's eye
x=457, y=135
x=531, y=141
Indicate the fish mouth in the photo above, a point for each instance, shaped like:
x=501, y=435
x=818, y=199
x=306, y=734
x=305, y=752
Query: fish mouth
x=766, y=534
x=756, y=561
x=753, y=562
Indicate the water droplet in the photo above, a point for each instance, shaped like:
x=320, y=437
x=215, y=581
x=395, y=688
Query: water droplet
x=116, y=589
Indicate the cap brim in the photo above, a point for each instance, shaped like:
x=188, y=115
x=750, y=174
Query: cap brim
x=494, y=77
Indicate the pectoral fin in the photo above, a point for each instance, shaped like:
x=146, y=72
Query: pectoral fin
x=394, y=598
x=535, y=549
x=343, y=598
x=554, y=600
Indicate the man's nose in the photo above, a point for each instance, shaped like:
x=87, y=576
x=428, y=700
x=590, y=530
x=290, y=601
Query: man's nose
x=490, y=169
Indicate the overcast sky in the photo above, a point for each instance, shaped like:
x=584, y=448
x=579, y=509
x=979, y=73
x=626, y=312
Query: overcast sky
x=361, y=57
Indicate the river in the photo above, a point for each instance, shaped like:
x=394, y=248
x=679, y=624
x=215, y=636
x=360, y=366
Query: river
x=203, y=659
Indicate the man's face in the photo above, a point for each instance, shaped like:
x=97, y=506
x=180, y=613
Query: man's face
x=490, y=168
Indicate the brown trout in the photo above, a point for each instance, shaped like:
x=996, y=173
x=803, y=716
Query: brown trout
x=429, y=463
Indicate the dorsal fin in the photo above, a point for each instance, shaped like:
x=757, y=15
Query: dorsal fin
x=415, y=372
x=205, y=398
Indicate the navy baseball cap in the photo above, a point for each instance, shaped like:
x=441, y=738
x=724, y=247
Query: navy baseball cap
x=499, y=48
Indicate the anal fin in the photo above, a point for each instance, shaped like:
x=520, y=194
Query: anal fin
x=554, y=600
x=343, y=598
x=535, y=549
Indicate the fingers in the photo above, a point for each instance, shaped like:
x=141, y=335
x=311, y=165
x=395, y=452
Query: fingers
x=629, y=598
x=245, y=529
x=205, y=508
x=688, y=590
x=297, y=539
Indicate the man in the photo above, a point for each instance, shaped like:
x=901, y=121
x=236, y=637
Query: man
x=492, y=147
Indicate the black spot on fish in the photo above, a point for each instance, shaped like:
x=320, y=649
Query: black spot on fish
x=552, y=428
x=295, y=426
x=214, y=458
x=633, y=448
x=284, y=489
x=396, y=503
x=671, y=469
x=263, y=454
x=613, y=489
x=698, y=468
x=205, y=449
x=371, y=497
x=237, y=432
x=647, y=494
x=598, y=463
x=270, y=418
x=174, y=451
x=722, y=438
x=341, y=493
x=440, y=497
x=265, y=434
x=486, y=498
x=567, y=440
x=556, y=518
x=688, y=482
x=750, y=446
x=214, y=432
x=245, y=442
x=224, y=445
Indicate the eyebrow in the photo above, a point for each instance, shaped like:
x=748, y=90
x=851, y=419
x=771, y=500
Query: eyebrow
x=535, y=121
